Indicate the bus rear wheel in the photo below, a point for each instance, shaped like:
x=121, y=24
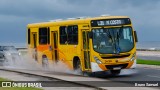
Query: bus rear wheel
x=45, y=62
x=115, y=72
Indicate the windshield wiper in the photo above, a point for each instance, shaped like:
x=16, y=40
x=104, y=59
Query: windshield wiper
x=119, y=33
x=118, y=49
x=109, y=35
x=116, y=34
x=113, y=39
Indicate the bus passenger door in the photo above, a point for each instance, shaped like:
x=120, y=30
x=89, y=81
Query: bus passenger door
x=54, y=44
x=34, y=38
x=86, y=50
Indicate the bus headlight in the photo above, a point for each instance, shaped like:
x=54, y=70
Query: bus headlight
x=97, y=60
x=133, y=57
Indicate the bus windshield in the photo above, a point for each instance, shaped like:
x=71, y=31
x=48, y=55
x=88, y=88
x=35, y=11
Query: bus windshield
x=113, y=40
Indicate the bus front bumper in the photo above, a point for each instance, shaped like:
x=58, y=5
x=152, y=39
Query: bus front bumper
x=103, y=67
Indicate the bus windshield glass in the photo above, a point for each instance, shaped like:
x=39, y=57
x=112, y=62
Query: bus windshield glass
x=113, y=40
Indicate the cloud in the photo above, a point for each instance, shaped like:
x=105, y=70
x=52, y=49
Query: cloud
x=144, y=13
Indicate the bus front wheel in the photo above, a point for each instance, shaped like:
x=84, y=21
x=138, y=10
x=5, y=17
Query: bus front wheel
x=78, y=67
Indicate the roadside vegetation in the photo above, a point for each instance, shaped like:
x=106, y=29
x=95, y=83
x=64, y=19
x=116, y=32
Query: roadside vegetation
x=148, y=62
x=15, y=88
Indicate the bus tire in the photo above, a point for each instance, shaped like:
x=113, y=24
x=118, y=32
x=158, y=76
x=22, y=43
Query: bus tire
x=45, y=62
x=115, y=72
x=91, y=74
x=78, y=67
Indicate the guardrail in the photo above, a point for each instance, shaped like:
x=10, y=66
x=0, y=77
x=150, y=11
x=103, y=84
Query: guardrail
x=148, y=49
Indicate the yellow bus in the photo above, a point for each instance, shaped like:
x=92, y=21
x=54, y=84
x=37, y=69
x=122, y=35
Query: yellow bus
x=88, y=44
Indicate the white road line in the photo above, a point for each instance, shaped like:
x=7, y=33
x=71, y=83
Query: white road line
x=153, y=76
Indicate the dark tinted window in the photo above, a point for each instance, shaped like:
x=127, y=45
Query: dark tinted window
x=48, y=36
x=69, y=35
x=44, y=36
x=72, y=34
x=28, y=36
x=63, y=34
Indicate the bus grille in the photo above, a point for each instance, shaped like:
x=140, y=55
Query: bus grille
x=114, y=66
x=116, y=56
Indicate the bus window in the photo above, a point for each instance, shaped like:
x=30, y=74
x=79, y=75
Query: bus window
x=29, y=36
x=72, y=34
x=69, y=35
x=43, y=35
x=63, y=35
x=48, y=36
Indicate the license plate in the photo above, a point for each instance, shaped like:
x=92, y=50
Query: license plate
x=116, y=68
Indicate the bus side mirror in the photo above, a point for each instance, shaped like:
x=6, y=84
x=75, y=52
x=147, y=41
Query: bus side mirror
x=90, y=34
x=135, y=36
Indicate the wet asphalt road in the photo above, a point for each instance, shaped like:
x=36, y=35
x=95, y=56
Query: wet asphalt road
x=138, y=74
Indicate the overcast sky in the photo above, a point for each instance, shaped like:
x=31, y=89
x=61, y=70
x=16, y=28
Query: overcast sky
x=16, y=14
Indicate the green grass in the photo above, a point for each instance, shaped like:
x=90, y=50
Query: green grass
x=2, y=79
x=148, y=62
x=15, y=88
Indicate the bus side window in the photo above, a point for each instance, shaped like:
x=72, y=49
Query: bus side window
x=29, y=32
x=43, y=35
x=63, y=34
x=69, y=35
x=72, y=34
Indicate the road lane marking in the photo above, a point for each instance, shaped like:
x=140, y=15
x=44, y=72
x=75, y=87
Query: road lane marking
x=153, y=76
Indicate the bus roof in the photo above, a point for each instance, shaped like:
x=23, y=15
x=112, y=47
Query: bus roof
x=72, y=21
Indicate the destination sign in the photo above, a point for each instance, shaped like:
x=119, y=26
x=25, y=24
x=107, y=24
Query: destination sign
x=110, y=22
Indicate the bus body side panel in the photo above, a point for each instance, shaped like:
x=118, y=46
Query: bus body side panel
x=33, y=43
x=67, y=52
